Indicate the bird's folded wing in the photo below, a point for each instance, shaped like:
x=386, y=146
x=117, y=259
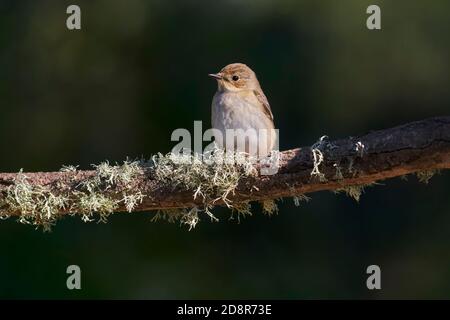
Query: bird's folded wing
x=262, y=98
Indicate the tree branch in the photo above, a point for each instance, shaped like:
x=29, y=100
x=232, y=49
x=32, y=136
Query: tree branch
x=413, y=147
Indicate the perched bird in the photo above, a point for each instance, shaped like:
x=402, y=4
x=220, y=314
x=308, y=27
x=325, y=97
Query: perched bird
x=240, y=103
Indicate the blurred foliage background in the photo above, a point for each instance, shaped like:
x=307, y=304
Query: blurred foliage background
x=137, y=71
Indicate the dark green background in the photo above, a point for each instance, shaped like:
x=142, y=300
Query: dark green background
x=137, y=71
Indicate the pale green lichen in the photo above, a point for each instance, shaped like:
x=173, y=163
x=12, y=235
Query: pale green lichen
x=88, y=204
x=190, y=217
x=426, y=175
x=269, y=207
x=118, y=175
x=69, y=168
x=212, y=178
x=241, y=209
x=170, y=215
x=317, y=150
x=95, y=196
x=112, y=187
x=184, y=216
x=318, y=159
x=354, y=191
x=37, y=205
x=300, y=198
x=131, y=201
x=41, y=205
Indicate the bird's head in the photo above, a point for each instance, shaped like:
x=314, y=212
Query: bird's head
x=236, y=77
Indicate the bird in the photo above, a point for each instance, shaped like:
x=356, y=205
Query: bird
x=240, y=106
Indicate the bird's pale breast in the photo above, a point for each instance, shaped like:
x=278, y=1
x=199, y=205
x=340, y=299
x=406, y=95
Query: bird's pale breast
x=232, y=110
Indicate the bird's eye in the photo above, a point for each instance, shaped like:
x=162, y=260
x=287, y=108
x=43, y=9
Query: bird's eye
x=235, y=78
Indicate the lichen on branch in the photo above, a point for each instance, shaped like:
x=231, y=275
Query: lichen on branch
x=184, y=187
x=42, y=205
x=210, y=177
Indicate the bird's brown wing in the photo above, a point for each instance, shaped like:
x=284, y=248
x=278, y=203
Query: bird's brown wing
x=262, y=98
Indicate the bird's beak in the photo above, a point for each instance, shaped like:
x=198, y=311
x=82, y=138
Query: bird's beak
x=215, y=75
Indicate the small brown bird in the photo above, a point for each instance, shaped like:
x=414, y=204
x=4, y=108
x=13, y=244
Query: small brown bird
x=240, y=107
